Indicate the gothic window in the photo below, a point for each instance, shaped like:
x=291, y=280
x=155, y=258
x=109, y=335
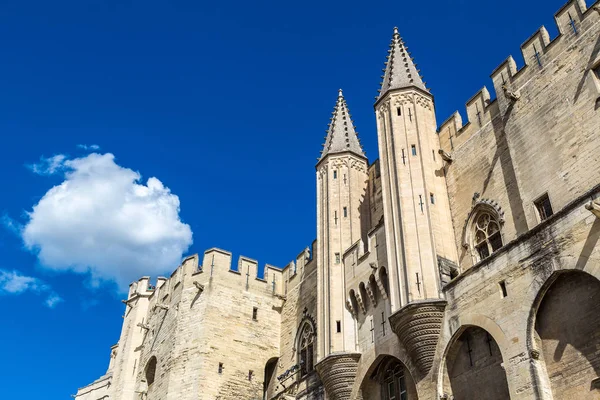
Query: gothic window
x=305, y=349
x=394, y=383
x=486, y=234
x=150, y=371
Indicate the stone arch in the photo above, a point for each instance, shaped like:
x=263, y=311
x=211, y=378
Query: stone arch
x=384, y=281
x=564, y=335
x=388, y=374
x=353, y=302
x=269, y=381
x=363, y=294
x=374, y=289
x=472, y=366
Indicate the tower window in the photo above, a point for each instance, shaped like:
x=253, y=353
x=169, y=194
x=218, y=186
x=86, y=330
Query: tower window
x=413, y=149
x=544, y=208
x=335, y=174
x=399, y=111
x=337, y=258
x=255, y=313
x=345, y=212
x=338, y=326
x=220, y=368
x=503, y=290
x=250, y=375
x=432, y=198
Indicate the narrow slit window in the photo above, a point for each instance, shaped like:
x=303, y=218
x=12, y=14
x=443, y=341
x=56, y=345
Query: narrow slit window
x=338, y=326
x=337, y=258
x=255, y=313
x=220, y=368
x=503, y=291
x=398, y=111
x=335, y=174
x=432, y=198
x=544, y=208
x=433, y=154
x=413, y=149
x=403, y=157
x=250, y=375
x=345, y=212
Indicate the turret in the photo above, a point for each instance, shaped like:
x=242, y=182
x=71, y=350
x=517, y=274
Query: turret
x=341, y=184
x=416, y=208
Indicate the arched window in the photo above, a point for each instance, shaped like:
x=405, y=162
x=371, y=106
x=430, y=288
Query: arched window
x=394, y=382
x=150, y=371
x=306, y=349
x=485, y=234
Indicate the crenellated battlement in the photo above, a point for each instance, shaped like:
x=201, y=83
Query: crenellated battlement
x=217, y=264
x=539, y=51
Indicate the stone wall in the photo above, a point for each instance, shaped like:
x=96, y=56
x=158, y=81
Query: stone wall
x=514, y=151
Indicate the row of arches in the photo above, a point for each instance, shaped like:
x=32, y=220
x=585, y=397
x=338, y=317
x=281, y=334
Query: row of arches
x=565, y=345
x=369, y=293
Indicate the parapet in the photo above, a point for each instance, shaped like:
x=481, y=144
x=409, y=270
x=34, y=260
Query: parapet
x=571, y=21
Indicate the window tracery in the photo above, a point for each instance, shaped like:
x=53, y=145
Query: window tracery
x=394, y=383
x=486, y=236
x=306, y=349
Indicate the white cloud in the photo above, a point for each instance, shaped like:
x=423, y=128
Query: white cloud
x=14, y=283
x=92, y=147
x=101, y=219
x=53, y=300
x=48, y=166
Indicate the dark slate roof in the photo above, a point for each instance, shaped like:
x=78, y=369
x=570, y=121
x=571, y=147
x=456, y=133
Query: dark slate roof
x=341, y=135
x=400, y=70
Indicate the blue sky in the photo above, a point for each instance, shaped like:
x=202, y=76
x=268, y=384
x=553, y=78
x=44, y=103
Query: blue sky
x=224, y=105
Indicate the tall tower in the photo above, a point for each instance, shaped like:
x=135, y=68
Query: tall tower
x=416, y=208
x=341, y=185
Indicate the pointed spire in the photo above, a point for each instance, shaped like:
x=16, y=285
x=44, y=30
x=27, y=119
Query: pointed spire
x=341, y=135
x=400, y=70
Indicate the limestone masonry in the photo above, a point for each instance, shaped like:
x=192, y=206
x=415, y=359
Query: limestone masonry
x=462, y=264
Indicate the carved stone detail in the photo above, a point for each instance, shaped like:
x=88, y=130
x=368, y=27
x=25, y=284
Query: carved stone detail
x=350, y=308
x=371, y=294
x=594, y=207
x=361, y=303
x=338, y=372
x=418, y=327
x=381, y=288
